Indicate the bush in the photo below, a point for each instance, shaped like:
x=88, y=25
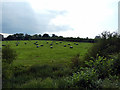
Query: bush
x=112, y=82
x=116, y=64
x=83, y=79
x=8, y=54
x=6, y=72
x=102, y=66
x=107, y=45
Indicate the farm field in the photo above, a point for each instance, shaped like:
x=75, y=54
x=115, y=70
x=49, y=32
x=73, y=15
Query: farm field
x=42, y=65
x=29, y=54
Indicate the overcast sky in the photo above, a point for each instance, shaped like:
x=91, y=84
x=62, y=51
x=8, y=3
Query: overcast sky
x=69, y=18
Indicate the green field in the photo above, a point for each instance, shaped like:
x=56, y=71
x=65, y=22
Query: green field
x=29, y=54
x=85, y=65
x=42, y=66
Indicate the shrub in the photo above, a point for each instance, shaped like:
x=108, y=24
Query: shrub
x=107, y=45
x=8, y=54
x=116, y=64
x=6, y=71
x=101, y=65
x=82, y=79
x=111, y=82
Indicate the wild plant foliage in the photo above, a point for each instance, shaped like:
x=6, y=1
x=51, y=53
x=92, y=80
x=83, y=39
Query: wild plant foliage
x=106, y=45
x=8, y=54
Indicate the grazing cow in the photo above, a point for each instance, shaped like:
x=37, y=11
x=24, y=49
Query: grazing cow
x=68, y=44
x=71, y=46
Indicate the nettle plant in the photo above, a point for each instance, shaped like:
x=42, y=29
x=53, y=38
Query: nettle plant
x=102, y=65
x=83, y=79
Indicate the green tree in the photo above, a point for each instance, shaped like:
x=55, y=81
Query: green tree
x=45, y=35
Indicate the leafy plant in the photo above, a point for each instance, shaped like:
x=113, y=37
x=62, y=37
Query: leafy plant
x=101, y=65
x=112, y=82
x=83, y=79
x=108, y=44
x=116, y=64
x=8, y=54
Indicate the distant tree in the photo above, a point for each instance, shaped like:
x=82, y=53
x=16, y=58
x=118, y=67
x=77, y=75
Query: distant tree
x=53, y=35
x=1, y=37
x=35, y=36
x=27, y=37
x=40, y=35
x=45, y=35
x=21, y=36
x=87, y=38
x=60, y=36
x=97, y=37
x=10, y=37
x=18, y=36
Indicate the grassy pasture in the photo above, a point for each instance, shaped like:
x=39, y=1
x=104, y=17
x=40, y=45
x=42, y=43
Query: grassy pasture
x=29, y=54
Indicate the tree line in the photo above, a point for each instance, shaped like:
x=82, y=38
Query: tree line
x=21, y=36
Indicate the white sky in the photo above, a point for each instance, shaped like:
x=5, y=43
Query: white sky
x=87, y=18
